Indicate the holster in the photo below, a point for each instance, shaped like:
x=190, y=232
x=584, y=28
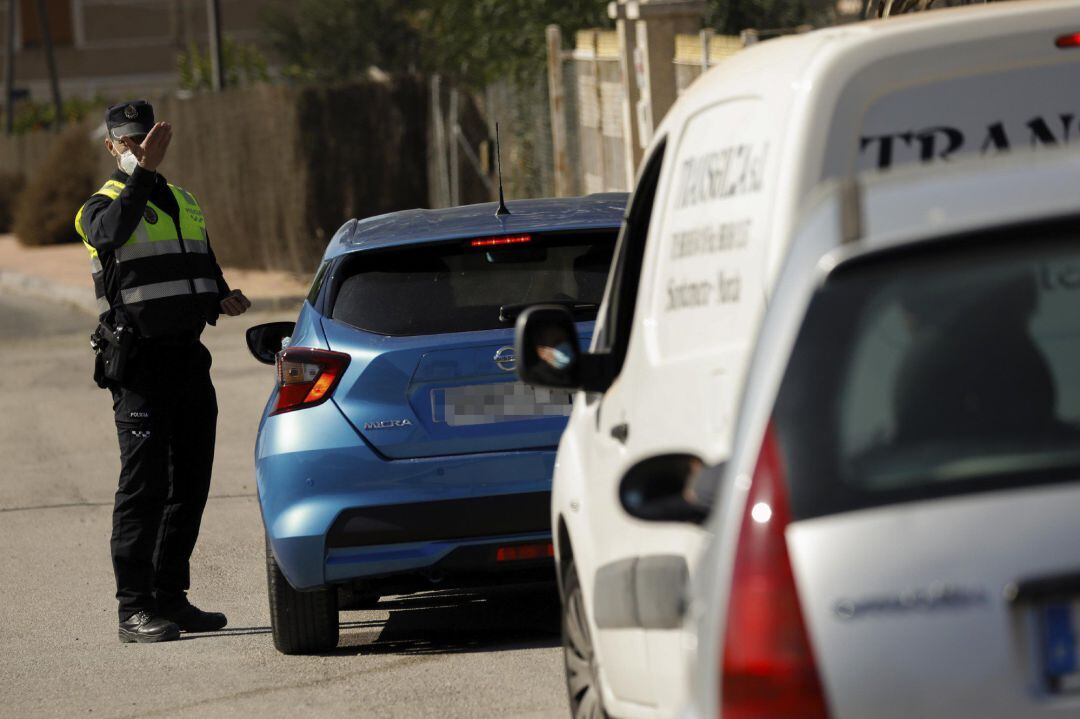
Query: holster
x=113, y=347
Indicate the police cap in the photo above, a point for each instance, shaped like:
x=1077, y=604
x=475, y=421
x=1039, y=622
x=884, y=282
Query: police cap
x=129, y=118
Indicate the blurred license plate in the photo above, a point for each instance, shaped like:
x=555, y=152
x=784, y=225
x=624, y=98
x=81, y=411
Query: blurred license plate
x=1060, y=650
x=500, y=402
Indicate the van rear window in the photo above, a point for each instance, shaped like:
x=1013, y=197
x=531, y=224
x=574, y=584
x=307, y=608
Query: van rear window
x=937, y=374
x=458, y=287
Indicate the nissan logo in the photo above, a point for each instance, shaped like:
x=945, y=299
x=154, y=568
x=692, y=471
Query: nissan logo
x=505, y=359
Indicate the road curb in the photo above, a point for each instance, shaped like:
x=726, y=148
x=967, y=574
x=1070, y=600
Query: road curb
x=46, y=289
x=276, y=304
x=83, y=299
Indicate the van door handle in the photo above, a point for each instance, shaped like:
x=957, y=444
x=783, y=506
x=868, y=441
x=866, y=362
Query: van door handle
x=621, y=432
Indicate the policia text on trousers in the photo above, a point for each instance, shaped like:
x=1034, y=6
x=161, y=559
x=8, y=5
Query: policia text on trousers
x=158, y=285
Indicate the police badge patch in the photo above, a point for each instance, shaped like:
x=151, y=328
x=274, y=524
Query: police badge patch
x=150, y=215
x=130, y=112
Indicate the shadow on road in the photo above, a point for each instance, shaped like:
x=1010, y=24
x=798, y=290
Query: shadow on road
x=227, y=632
x=248, y=631
x=446, y=622
x=460, y=621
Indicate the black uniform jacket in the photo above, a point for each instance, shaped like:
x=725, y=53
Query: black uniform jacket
x=109, y=223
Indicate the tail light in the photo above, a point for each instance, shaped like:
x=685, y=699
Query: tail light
x=1067, y=41
x=306, y=377
x=768, y=666
x=523, y=552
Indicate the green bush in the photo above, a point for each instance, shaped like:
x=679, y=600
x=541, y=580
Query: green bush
x=244, y=65
x=45, y=212
x=35, y=116
x=11, y=185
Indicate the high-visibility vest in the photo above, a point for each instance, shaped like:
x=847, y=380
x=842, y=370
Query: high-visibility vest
x=162, y=275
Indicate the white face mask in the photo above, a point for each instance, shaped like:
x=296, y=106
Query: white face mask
x=127, y=161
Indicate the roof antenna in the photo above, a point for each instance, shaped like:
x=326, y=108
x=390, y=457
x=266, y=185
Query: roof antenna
x=503, y=210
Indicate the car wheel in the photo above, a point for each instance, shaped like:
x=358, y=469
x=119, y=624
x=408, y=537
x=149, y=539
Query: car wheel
x=582, y=679
x=303, y=622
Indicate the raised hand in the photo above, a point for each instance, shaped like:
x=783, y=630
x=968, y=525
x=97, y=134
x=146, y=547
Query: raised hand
x=152, y=150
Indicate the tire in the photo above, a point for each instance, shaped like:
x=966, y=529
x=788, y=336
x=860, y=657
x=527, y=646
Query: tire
x=582, y=678
x=303, y=622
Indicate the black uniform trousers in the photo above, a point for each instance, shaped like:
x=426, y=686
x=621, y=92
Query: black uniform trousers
x=166, y=421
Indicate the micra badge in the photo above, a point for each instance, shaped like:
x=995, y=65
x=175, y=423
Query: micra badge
x=388, y=424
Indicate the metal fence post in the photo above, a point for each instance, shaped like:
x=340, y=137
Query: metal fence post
x=455, y=162
x=557, y=107
x=605, y=180
x=706, y=36
x=9, y=71
x=50, y=59
x=442, y=180
x=627, y=34
x=217, y=60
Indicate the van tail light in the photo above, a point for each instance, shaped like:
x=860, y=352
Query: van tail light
x=1066, y=41
x=768, y=667
x=307, y=377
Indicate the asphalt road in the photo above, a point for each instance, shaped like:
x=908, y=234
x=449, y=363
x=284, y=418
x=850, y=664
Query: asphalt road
x=490, y=654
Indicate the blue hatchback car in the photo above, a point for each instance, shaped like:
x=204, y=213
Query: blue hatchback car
x=398, y=452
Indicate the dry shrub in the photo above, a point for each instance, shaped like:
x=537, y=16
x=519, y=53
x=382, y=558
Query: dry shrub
x=11, y=185
x=45, y=212
x=278, y=169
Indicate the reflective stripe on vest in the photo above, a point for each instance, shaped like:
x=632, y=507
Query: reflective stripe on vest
x=156, y=236
x=174, y=288
x=138, y=250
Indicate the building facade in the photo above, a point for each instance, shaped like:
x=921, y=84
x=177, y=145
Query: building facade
x=111, y=48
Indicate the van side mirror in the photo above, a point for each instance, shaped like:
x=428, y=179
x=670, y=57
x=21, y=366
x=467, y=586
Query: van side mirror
x=659, y=489
x=549, y=352
x=265, y=341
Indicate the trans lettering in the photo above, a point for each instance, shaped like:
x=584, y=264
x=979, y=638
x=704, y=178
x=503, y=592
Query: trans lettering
x=942, y=142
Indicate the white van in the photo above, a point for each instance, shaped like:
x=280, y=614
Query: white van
x=907, y=550
x=706, y=231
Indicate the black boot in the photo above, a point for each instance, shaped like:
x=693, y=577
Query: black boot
x=192, y=619
x=144, y=627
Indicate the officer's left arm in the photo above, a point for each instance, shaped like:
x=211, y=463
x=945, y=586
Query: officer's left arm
x=222, y=285
x=232, y=302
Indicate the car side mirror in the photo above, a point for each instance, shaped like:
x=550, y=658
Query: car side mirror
x=660, y=489
x=549, y=352
x=265, y=341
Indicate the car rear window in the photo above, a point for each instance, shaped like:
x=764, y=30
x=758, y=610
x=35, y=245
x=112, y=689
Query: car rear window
x=951, y=371
x=459, y=287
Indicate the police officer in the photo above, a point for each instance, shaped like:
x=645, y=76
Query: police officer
x=157, y=285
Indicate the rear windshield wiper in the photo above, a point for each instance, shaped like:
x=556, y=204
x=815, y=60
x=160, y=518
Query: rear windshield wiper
x=508, y=313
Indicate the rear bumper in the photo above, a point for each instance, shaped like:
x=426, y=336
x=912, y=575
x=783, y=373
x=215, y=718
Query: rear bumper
x=418, y=566
x=449, y=519
x=335, y=511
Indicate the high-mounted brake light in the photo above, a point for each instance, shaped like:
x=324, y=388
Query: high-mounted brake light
x=307, y=377
x=1065, y=41
x=497, y=241
x=768, y=667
